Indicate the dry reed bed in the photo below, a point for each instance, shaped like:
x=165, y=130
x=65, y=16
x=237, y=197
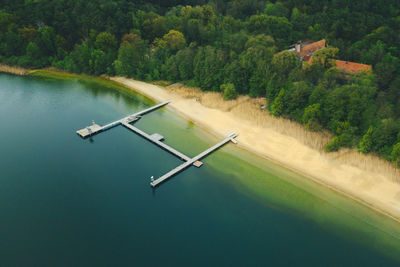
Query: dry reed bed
x=249, y=109
x=370, y=163
x=13, y=70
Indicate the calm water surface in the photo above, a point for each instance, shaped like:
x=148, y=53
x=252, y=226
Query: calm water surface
x=65, y=201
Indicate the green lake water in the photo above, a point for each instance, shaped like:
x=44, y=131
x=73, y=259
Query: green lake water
x=65, y=201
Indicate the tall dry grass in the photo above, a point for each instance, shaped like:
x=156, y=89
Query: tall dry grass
x=369, y=162
x=249, y=109
x=13, y=70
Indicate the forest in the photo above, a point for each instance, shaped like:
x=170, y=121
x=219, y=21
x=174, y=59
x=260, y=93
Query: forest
x=236, y=47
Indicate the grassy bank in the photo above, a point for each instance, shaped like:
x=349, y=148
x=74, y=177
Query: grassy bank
x=55, y=74
x=102, y=81
x=13, y=70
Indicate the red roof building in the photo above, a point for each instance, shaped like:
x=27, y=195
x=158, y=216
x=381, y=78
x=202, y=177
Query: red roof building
x=351, y=67
x=347, y=67
x=305, y=50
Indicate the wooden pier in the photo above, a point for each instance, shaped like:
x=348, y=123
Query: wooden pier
x=95, y=128
x=193, y=160
x=156, y=139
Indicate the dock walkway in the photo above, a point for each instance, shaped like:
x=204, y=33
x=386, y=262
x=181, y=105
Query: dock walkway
x=155, y=139
x=192, y=160
x=95, y=128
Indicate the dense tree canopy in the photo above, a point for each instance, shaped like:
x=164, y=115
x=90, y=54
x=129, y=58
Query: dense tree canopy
x=232, y=46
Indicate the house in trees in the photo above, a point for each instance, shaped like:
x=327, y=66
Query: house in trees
x=352, y=68
x=347, y=68
x=305, y=50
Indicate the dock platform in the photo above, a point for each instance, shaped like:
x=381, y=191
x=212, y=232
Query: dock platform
x=95, y=128
x=89, y=130
x=157, y=139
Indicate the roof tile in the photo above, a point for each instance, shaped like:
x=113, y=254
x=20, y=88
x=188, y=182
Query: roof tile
x=352, y=67
x=311, y=48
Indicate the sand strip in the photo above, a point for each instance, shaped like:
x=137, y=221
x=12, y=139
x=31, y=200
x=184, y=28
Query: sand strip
x=374, y=189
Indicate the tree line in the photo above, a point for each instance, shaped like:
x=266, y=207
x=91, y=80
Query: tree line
x=236, y=47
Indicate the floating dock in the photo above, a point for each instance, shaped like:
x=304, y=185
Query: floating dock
x=95, y=128
x=156, y=139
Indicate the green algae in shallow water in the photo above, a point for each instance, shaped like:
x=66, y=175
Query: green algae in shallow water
x=284, y=190
x=299, y=196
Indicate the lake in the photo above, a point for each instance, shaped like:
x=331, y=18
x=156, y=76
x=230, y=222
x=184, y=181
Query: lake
x=65, y=201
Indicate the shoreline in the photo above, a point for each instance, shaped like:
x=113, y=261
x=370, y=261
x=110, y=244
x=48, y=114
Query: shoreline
x=374, y=190
x=322, y=168
x=13, y=70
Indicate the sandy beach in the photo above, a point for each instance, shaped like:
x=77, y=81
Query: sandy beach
x=371, y=184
